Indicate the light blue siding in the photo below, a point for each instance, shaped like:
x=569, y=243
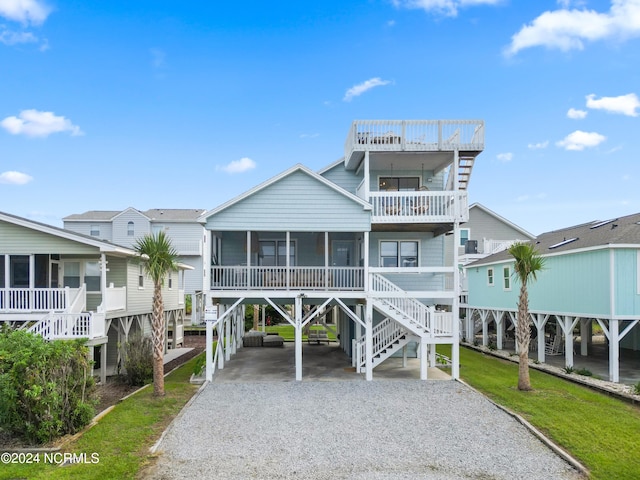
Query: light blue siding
x=339, y=175
x=627, y=299
x=297, y=202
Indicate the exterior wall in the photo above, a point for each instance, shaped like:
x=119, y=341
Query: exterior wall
x=296, y=202
x=570, y=284
x=627, y=288
x=140, y=300
x=343, y=178
x=141, y=227
x=186, y=238
x=436, y=183
x=18, y=240
x=106, y=232
x=193, y=279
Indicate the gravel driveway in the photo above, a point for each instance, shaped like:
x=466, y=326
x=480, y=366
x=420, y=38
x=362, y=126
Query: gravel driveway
x=402, y=429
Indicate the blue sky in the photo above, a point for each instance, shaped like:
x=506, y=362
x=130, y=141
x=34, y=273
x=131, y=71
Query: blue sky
x=161, y=104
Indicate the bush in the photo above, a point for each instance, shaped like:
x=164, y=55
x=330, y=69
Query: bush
x=584, y=372
x=46, y=388
x=138, y=360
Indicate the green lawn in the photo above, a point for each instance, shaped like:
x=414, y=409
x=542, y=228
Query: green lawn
x=287, y=332
x=600, y=431
x=122, y=438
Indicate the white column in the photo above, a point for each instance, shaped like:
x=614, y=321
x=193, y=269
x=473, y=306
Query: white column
x=585, y=335
x=221, y=310
x=7, y=272
x=298, y=332
x=209, y=351
x=499, y=330
x=541, y=345
x=485, y=330
x=424, y=359
x=567, y=323
x=368, y=340
x=432, y=355
x=404, y=357
x=249, y=257
x=103, y=363
x=288, y=262
x=365, y=245
x=614, y=351
x=227, y=339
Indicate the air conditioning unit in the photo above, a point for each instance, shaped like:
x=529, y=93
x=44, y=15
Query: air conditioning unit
x=471, y=246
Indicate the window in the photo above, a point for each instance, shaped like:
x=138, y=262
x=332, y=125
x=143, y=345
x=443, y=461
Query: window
x=274, y=253
x=130, y=229
x=71, y=277
x=399, y=254
x=506, y=271
x=19, y=271
x=92, y=276
x=140, y=276
x=490, y=276
x=464, y=236
x=399, y=184
x=95, y=231
x=155, y=229
x=169, y=281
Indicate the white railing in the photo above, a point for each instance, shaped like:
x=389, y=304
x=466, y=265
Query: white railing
x=384, y=334
x=419, y=207
x=57, y=326
x=35, y=299
x=490, y=247
x=414, y=135
x=79, y=300
x=281, y=278
x=115, y=298
x=426, y=318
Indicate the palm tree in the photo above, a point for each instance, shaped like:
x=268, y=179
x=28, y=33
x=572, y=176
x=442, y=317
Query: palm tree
x=528, y=263
x=159, y=258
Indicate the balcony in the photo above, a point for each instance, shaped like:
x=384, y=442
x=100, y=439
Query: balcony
x=466, y=136
x=294, y=278
x=36, y=299
x=419, y=207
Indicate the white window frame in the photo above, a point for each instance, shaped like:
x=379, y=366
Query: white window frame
x=506, y=279
x=131, y=229
x=140, y=277
x=399, y=249
x=468, y=230
x=94, y=230
x=491, y=278
x=277, y=242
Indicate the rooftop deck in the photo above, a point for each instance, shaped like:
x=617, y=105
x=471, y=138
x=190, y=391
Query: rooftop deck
x=466, y=136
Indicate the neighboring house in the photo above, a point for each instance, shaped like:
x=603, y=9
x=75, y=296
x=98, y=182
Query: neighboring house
x=62, y=284
x=127, y=226
x=485, y=233
x=592, y=274
x=363, y=241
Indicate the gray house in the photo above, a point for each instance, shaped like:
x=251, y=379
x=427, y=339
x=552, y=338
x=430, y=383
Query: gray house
x=363, y=238
x=62, y=284
x=127, y=226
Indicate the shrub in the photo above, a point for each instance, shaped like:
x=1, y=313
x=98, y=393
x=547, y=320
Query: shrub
x=568, y=369
x=138, y=360
x=46, y=388
x=585, y=372
x=636, y=389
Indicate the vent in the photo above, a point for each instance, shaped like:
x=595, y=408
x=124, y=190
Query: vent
x=600, y=224
x=563, y=242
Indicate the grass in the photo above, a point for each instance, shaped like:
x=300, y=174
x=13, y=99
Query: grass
x=600, y=431
x=287, y=332
x=122, y=438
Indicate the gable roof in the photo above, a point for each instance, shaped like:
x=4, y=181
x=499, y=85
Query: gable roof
x=296, y=168
x=153, y=214
x=324, y=170
x=500, y=218
x=615, y=231
x=102, y=245
x=93, y=216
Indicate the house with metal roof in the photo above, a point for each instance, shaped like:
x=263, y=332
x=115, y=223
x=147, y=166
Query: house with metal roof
x=591, y=277
x=62, y=284
x=361, y=240
x=125, y=227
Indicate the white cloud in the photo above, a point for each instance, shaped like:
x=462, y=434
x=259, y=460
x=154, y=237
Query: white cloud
x=26, y=12
x=624, y=104
x=580, y=140
x=13, y=38
x=539, y=145
x=15, y=178
x=238, y=166
x=505, y=157
x=34, y=123
x=359, y=89
x=566, y=29
x=576, y=114
x=444, y=7
x=309, y=135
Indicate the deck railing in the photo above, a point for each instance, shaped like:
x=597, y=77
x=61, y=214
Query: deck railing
x=414, y=135
x=36, y=299
x=116, y=298
x=71, y=325
x=281, y=278
x=419, y=207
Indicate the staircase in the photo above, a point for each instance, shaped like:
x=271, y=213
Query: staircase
x=388, y=338
x=465, y=165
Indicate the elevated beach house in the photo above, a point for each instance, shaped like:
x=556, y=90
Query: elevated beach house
x=362, y=238
x=62, y=284
x=591, y=278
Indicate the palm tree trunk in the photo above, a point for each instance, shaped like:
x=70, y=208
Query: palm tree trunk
x=523, y=337
x=157, y=324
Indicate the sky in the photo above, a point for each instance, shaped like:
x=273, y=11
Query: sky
x=167, y=104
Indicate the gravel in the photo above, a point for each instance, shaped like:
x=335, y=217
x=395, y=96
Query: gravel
x=356, y=430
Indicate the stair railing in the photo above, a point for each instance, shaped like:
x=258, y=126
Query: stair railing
x=384, y=334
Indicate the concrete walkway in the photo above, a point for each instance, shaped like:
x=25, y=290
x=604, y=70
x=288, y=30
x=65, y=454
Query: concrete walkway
x=255, y=421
